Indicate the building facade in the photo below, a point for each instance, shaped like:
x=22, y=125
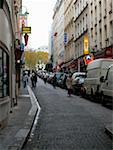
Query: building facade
x=81, y=23
x=101, y=27
x=8, y=29
x=69, y=29
x=58, y=32
x=88, y=28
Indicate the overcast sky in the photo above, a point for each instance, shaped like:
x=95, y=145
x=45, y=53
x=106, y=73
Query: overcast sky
x=40, y=19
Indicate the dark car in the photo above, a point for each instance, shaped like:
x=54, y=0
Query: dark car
x=62, y=81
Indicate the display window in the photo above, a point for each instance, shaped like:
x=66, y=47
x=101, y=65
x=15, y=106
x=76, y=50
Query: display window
x=4, y=73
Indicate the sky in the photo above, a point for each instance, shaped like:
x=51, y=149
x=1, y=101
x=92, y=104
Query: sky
x=40, y=20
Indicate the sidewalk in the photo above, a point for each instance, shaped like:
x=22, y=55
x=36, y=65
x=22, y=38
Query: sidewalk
x=20, y=121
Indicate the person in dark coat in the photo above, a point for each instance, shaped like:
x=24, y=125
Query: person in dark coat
x=54, y=81
x=33, y=79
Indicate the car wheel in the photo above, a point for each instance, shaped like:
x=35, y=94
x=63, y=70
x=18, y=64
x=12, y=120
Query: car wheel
x=83, y=92
x=103, y=102
x=92, y=97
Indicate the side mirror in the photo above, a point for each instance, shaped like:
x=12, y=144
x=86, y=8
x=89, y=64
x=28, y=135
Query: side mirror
x=102, y=79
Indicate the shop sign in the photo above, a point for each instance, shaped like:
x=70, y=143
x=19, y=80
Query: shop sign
x=26, y=30
x=65, y=38
x=108, y=51
x=88, y=58
x=86, y=44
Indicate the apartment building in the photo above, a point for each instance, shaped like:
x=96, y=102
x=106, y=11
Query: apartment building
x=93, y=33
x=8, y=13
x=101, y=27
x=58, y=33
x=81, y=36
x=69, y=29
x=88, y=25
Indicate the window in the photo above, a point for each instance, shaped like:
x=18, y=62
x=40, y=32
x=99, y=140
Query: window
x=4, y=70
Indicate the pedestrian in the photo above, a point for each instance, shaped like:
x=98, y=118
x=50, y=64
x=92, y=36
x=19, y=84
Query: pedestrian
x=54, y=81
x=45, y=78
x=25, y=79
x=69, y=85
x=33, y=79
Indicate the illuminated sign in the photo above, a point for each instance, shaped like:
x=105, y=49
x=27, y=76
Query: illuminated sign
x=86, y=45
x=26, y=30
x=88, y=58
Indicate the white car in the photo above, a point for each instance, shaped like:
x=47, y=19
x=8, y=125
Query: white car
x=106, y=89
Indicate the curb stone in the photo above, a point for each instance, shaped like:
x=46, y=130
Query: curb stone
x=23, y=134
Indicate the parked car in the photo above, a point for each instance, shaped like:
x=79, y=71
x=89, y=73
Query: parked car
x=77, y=81
x=92, y=83
x=50, y=77
x=106, y=90
x=58, y=76
x=62, y=81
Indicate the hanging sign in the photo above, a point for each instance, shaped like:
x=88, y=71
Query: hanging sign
x=26, y=30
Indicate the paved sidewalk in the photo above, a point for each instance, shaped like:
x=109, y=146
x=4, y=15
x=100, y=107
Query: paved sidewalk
x=20, y=121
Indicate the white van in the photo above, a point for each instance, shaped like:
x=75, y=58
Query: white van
x=95, y=70
x=106, y=89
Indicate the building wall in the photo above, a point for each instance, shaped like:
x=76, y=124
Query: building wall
x=100, y=24
x=58, y=32
x=69, y=28
x=81, y=25
x=7, y=66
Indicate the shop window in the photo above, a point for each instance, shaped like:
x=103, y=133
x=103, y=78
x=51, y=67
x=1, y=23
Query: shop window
x=4, y=77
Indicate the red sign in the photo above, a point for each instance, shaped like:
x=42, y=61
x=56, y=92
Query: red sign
x=88, y=58
x=108, y=51
x=26, y=39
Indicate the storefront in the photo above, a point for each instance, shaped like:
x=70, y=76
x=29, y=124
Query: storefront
x=104, y=53
x=4, y=73
x=7, y=63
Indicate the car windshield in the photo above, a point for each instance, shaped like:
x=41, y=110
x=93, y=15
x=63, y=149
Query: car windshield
x=79, y=75
x=58, y=75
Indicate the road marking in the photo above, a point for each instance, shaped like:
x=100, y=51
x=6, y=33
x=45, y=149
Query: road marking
x=35, y=104
x=33, y=99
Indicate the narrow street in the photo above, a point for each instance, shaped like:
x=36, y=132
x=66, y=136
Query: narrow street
x=68, y=123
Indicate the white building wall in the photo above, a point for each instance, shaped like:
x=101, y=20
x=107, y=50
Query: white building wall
x=81, y=19
x=69, y=28
x=58, y=28
x=101, y=24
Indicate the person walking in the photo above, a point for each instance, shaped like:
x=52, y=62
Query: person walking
x=69, y=85
x=54, y=81
x=25, y=79
x=45, y=78
x=33, y=79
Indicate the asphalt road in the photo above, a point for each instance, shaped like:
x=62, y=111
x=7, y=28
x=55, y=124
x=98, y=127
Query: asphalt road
x=69, y=123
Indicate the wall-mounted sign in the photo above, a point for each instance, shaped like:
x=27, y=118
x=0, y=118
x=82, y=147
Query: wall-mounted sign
x=26, y=39
x=65, y=38
x=26, y=30
x=88, y=58
x=86, y=44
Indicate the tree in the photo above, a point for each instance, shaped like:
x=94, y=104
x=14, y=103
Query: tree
x=33, y=57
